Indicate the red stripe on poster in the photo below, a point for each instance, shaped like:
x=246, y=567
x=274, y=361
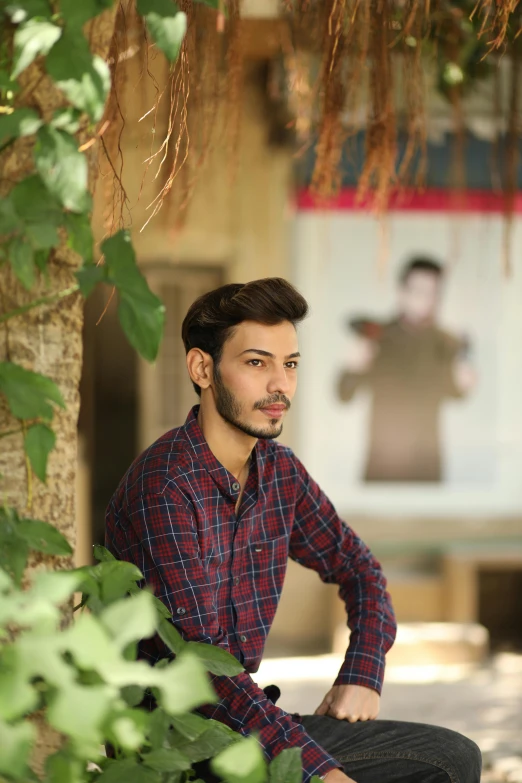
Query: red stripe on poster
x=429, y=201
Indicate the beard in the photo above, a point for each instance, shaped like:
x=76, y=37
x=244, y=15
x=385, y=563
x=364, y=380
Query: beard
x=230, y=409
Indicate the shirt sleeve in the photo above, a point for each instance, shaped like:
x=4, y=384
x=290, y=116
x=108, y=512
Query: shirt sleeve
x=322, y=541
x=161, y=539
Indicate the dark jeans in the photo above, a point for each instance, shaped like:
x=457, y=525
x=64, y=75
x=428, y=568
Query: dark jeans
x=385, y=751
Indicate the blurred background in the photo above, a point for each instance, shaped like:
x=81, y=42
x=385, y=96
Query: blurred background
x=415, y=433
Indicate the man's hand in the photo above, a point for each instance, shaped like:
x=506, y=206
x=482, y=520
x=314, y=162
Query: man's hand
x=351, y=703
x=337, y=776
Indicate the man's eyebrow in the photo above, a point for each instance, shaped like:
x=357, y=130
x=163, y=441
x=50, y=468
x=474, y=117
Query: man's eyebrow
x=295, y=355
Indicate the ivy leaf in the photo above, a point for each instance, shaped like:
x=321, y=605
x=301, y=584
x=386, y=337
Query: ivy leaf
x=16, y=742
x=286, y=767
x=216, y=659
x=83, y=78
x=77, y=13
x=128, y=770
x=141, y=313
x=28, y=393
x=213, y=741
x=66, y=119
x=159, y=726
x=32, y=39
x=62, y=767
x=191, y=726
x=78, y=711
x=39, y=442
x=21, y=258
x=165, y=760
x=43, y=537
x=166, y=23
x=14, y=550
x=130, y=620
x=80, y=235
x=34, y=204
x=170, y=636
x=242, y=761
x=102, y=554
x=21, y=122
x=132, y=695
x=21, y=10
x=89, y=276
x=9, y=220
x=63, y=168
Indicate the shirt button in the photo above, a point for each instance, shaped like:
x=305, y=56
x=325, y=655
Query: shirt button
x=181, y=610
x=236, y=580
x=242, y=638
x=235, y=486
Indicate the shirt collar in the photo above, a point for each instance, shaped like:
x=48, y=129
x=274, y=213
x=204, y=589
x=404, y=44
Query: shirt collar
x=226, y=482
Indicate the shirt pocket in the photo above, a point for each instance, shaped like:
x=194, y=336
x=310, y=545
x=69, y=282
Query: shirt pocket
x=268, y=560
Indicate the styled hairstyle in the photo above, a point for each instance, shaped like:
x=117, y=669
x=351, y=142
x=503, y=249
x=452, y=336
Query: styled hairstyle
x=212, y=318
x=421, y=264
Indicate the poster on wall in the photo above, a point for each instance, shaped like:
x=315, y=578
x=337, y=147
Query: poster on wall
x=400, y=406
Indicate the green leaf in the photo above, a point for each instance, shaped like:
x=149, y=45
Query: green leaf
x=213, y=741
x=166, y=23
x=117, y=579
x=132, y=695
x=79, y=711
x=66, y=119
x=55, y=586
x=89, y=276
x=158, y=727
x=216, y=659
x=14, y=550
x=28, y=393
x=128, y=771
x=190, y=726
x=43, y=237
x=128, y=728
x=21, y=258
x=83, y=78
x=131, y=619
x=77, y=13
x=102, y=554
x=39, y=442
x=43, y=537
x=171, y=636
x=287, y=767
x=164, y=760
x=211, y=3
x=141, y=313
x=242, y=761
x=80, y=235
x=34, y=204
x=21, y=10
x=63, y=768
x=184, y=685
x=63, y=168
x=32, y=39
x=16, y=742
x=18, y=696
x=22, y=122
x=9, y=220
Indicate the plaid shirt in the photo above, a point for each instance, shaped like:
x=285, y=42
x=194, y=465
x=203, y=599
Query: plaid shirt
x=221, y=574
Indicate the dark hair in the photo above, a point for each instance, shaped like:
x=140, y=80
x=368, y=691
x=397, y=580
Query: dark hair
x=212, y=318
x=421, y=264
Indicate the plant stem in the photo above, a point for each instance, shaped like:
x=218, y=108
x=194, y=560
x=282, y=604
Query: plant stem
x=37, y=302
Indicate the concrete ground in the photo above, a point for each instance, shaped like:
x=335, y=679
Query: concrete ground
x=483, y=702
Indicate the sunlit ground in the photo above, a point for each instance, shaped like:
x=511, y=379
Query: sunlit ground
x=484, y=702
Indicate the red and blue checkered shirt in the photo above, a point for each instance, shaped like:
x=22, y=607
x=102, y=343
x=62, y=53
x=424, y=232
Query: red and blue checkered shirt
x=220, y=573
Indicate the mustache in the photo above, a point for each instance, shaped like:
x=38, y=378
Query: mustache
x=275, y=399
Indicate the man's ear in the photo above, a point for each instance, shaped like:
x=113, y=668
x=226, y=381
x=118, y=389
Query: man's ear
x=200, y=367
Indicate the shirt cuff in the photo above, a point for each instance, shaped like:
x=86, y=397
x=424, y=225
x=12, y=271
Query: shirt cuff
x=363, y=668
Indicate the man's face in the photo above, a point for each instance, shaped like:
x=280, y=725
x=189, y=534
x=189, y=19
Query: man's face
x=256, y=378
x=419, y=297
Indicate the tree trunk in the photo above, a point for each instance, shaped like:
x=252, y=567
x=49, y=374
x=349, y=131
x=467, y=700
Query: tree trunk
x=48, y=340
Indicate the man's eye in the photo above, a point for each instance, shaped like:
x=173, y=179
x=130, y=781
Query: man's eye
x=292, y=365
